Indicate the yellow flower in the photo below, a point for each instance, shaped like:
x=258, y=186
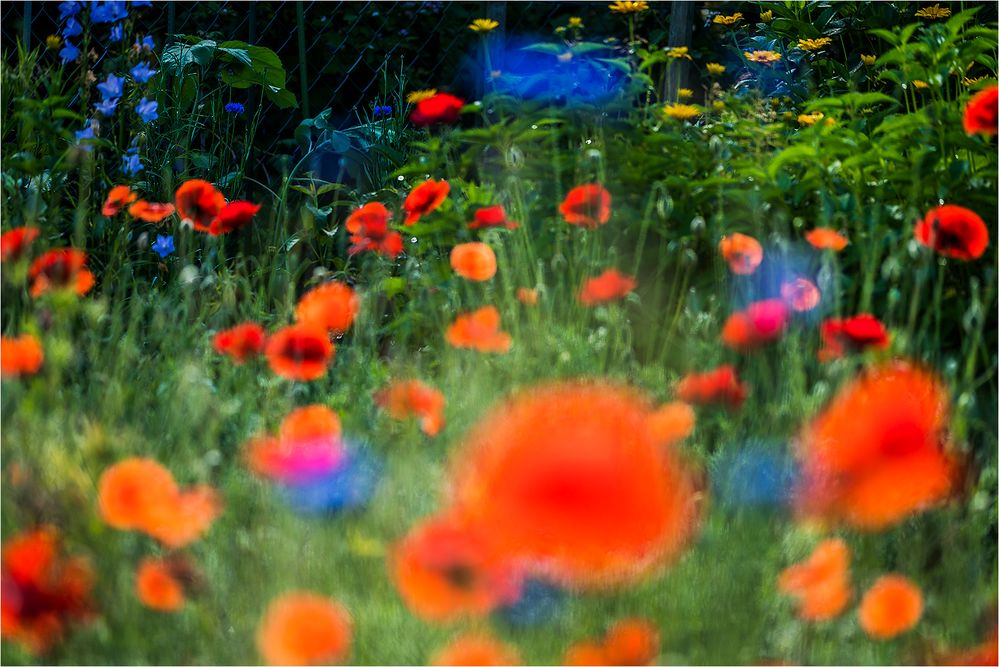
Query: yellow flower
x=682, y=111
x=867, y=60
x=813, y=44
x=685, y=93
x=968, y=81
x=727, y=20
x=53, y=42
x=764, y=57
x=560, y=29
x=920, y=84
x=483, y=25
x=715, y=68
x=767, y=16
x=678, y=52
x=718, y=105
x=810, y=118
x=420, y=95
x=933, y=12
x=575, y=22
x=629, y=7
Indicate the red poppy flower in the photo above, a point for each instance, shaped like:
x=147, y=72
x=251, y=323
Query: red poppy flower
x=42, y=591
x=441, y=108
x=891, y=606
x=241, y=341
x=491, y=216
x=587, y=206
x=527, y=296
x=234, y=215
x=300, y=352
x=331, y=306
x=853, y=334
x=821, y=584
x=198, y=203
x=446, y=569
x=743, y=253
x=303, y=628
x=878, y=453
x=161, y=583
x=823, y=238
x=60, y=269
x=632, y=641
x=150, y=212
x=119, y=197
x=720, y=385
x=308, y=445
x=953, y=231
x=473, y=261
x=20, y=356
x=479, y=330
x=574, y=485
x=760, y=323
x=800, y=294
x=982, y=113
x=369, y=230
x=412, y=398
x=14, y=243
x=424, y=198
x=610, y=285
x=475, y=650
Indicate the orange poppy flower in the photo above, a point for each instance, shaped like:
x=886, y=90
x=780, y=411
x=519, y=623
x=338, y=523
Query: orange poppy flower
x=119, y=197
x=14, y=243
x=953, y=231
x=234, y=215
x=303, y=628
x=150, y=212
x=439, y=108
x=61, y=269
x=368, y=227
x=198, y=203
x=157, y=586
x=184, y=518
x=981, y=116
x=20, y=356
x=473, y=261
x=986, y=653
x=672, y=422
x=42, y=591
x=479, y=330
x=878, y=452
x=720, y=385
x=491, y=216
x=476, y=650
x=241, y=341
x=424, y=198
x=309, y=422
x=853, y=334
x=412, y=398
x=586, y=654
x=821, y=584
x=574, y=485
x=632, y=641
x=331, y=306
x=587, y=205
x=743, y=253
x=610, y=285
x=760, y=323
x=801, y=294
x=300, y=352
x=446, y=569
x=892, y=606
x=824, y=238
x=527, y=296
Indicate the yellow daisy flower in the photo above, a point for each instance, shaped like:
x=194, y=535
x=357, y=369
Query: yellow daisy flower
x=767, y=16
x=629, y=7
x=867, y=60
x=685, y=93
x=968, y=81
x=813, y=44
x=727, y=20
x=718, y=105
x=920, y=84
x=763, y=57
x=678, y=52
x=810, y=118
x=682, y=111
x=715, y=68
x=483, y=25
x=420, y=95
x=933, y=12
x=53, y=42
x=575, y=22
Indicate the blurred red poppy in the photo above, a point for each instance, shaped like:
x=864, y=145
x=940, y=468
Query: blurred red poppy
x=632, y=641
x=473, y=261
x=720, y=385
x=369, y=230
x=234, y=215
x=150, y=212
x=440, y=108
x=743, y=253
x=14, y=243
x=475, y=650
x=760, y=323
x=953, y=231
x=411, y=398
x=981, y=116
x=424, y=198
x=304, y=628
x=161, y=583
x=823, y=238
x=852, y=334
x=62, y=269
x=800, y=294
x=118, y=197
x=527, y=296
x=20, y=356
x=300, y=352
x=241, y=341
x=331, y=306
x=587, y=206
x=479, y=330
x=198, y=203
x=610, y=285
x=821, y=584
x=491, y=216
x=891, y=606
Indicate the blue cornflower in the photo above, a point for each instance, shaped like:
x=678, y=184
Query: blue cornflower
x=107, y=12
x=130, y=163
x=72, y=28
x=146, y=44
x=383, y=111
x=111, y=87
x=117, y=32
x=349, y=486
x=141, y=3
x=147, y=110
x=235, y=107
x=163, y=246
x=69, y=52
x=69, y=8
x=107, y=107
x=85, y=133
x=142, y=72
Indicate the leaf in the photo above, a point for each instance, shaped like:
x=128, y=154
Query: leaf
x=282, y=97
x=790, y=155
x=551, y=49
x=242, y=55
x=178, y=56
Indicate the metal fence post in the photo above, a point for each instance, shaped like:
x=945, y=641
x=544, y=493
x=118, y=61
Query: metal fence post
x=303, y=77
x=680, y=31
x=26, y=25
